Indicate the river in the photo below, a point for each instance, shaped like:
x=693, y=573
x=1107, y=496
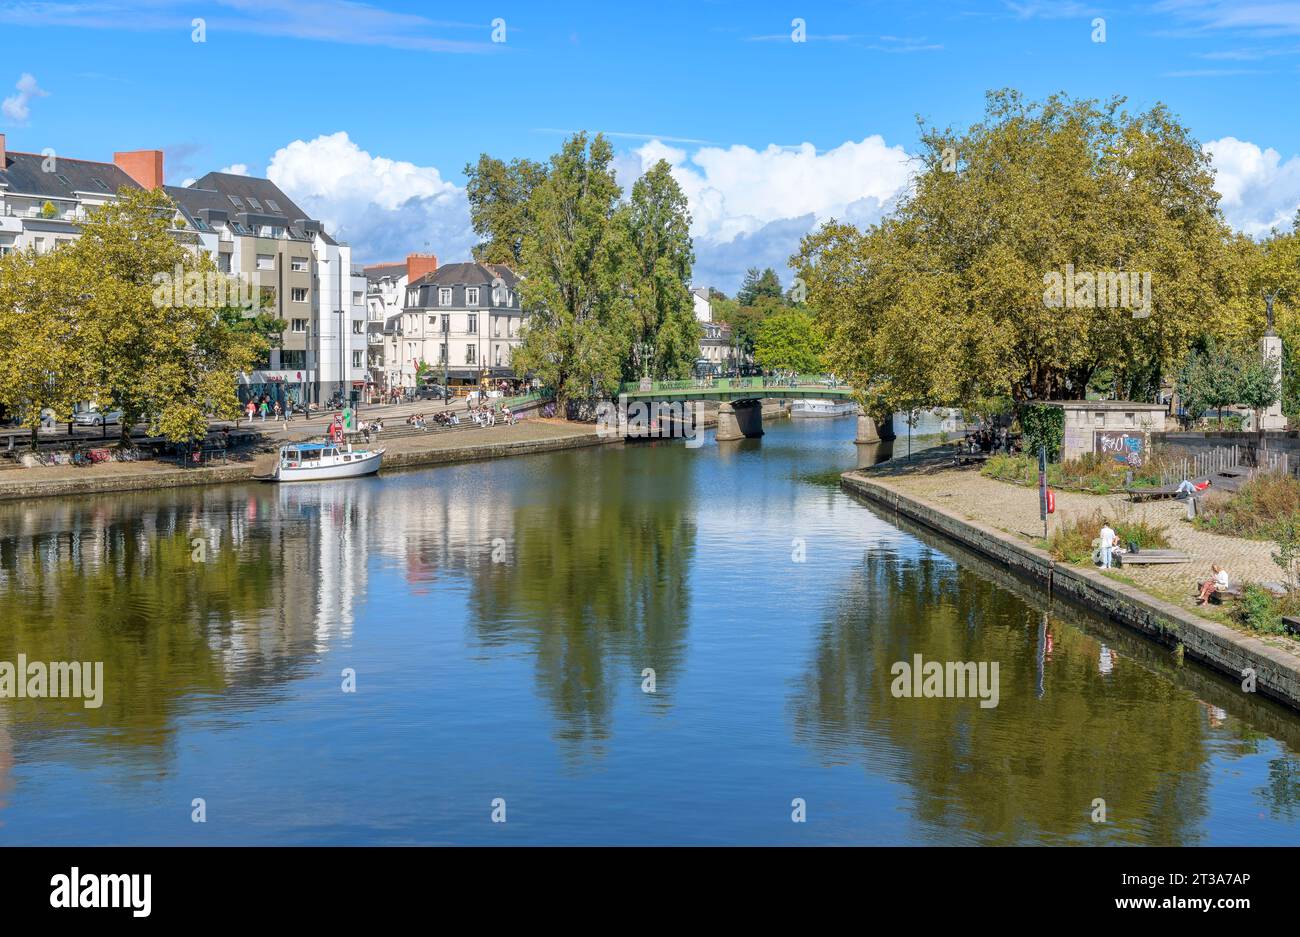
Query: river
x=639, y=644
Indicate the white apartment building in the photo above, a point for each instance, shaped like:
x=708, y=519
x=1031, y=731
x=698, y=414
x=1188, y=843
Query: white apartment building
x=249, y=227
x=463, y=320
x=386, y=295
x=305, y=276
x=43, y=196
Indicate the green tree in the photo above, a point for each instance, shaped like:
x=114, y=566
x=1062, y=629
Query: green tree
x=663, y=323
x=44, y=352
x=1210, y=380
x=574, y=261
x=947, y=299
x=498, y=196
x=758, y=285
x=164, y=349
x=791, y=341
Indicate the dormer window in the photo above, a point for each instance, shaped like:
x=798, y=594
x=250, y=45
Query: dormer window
x=471, y=296
x=254, y=204
x=444, y=296
x=270, y=203
x=234, y=200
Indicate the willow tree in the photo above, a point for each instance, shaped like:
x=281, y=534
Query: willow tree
x=663, y=331
x=949, y=297
x=575, y=256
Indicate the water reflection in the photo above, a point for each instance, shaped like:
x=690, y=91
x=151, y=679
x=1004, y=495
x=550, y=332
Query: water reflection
x=504, y=614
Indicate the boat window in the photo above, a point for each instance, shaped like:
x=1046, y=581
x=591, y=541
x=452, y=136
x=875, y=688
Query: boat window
x=291, y=454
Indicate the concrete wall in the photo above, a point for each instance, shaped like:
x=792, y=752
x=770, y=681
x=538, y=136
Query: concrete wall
x=1216, y=646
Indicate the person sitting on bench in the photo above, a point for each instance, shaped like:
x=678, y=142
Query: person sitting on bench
x=1218, y=584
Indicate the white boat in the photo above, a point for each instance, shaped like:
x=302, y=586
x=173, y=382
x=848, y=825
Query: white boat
x=821, y=407
x=317, y=461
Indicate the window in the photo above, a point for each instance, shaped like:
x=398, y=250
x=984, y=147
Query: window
x=356, y=359
x=471, y=296
x=234, y=200
x=498, y=296
x=496, y=326
x=1100, y=420
x=223, y=263
x=265, y=261
x=293, y=359
x=298, y=294
x=444, y=296
x=357, y=297
x=1128, y=419
x=471, y=324
x=298, y=325
x=298, y=264
x=254, y=204
x=433, y=320
x=498, y=356
x=442, y=353
x=446, y=323
x=358, y=327
x=469, y=354
x=101, y=183
x=270, y=203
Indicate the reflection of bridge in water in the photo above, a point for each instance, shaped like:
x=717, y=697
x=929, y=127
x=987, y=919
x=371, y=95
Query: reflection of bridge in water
x=740, y=413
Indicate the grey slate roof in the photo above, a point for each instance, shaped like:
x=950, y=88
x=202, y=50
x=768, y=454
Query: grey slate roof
x=22, y=175
x=212, y=193
x=470, y=274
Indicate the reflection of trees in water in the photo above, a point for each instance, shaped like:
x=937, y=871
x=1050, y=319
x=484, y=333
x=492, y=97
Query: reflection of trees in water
x=1029, y=769
x=116, y=581
x=596, y=585
x=1282, y=793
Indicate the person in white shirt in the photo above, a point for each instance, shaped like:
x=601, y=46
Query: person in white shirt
x=1108, y=539
x=1219, y=583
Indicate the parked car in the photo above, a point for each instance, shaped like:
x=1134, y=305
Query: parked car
x=97, y=417
x=431, y=392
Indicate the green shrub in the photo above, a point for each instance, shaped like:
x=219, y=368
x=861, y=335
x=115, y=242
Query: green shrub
x=1258, y=610
x=1071, y=540
x=1261, y=509
x=1042, y=425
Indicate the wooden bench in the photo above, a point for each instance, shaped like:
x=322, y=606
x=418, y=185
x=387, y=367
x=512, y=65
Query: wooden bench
x=1152, y=557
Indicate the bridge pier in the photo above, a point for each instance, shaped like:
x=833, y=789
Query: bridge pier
x=867, y=432
x=740, y=420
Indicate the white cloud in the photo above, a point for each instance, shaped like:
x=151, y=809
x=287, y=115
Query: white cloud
x=235, y=169
x=17, y=107
x=1259, y=190
x=385, y=208
x=750, y=207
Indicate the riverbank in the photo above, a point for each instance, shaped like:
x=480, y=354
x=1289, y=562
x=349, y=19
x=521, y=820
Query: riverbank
x=470, y=445
x=990, y=518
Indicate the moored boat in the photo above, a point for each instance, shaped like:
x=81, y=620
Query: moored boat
x=821, y=407
x=319, y=461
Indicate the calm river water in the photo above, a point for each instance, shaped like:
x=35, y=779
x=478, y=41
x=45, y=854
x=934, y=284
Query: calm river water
x=500, y=620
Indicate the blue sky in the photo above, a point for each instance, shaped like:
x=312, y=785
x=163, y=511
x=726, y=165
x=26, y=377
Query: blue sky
x=769, y=136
